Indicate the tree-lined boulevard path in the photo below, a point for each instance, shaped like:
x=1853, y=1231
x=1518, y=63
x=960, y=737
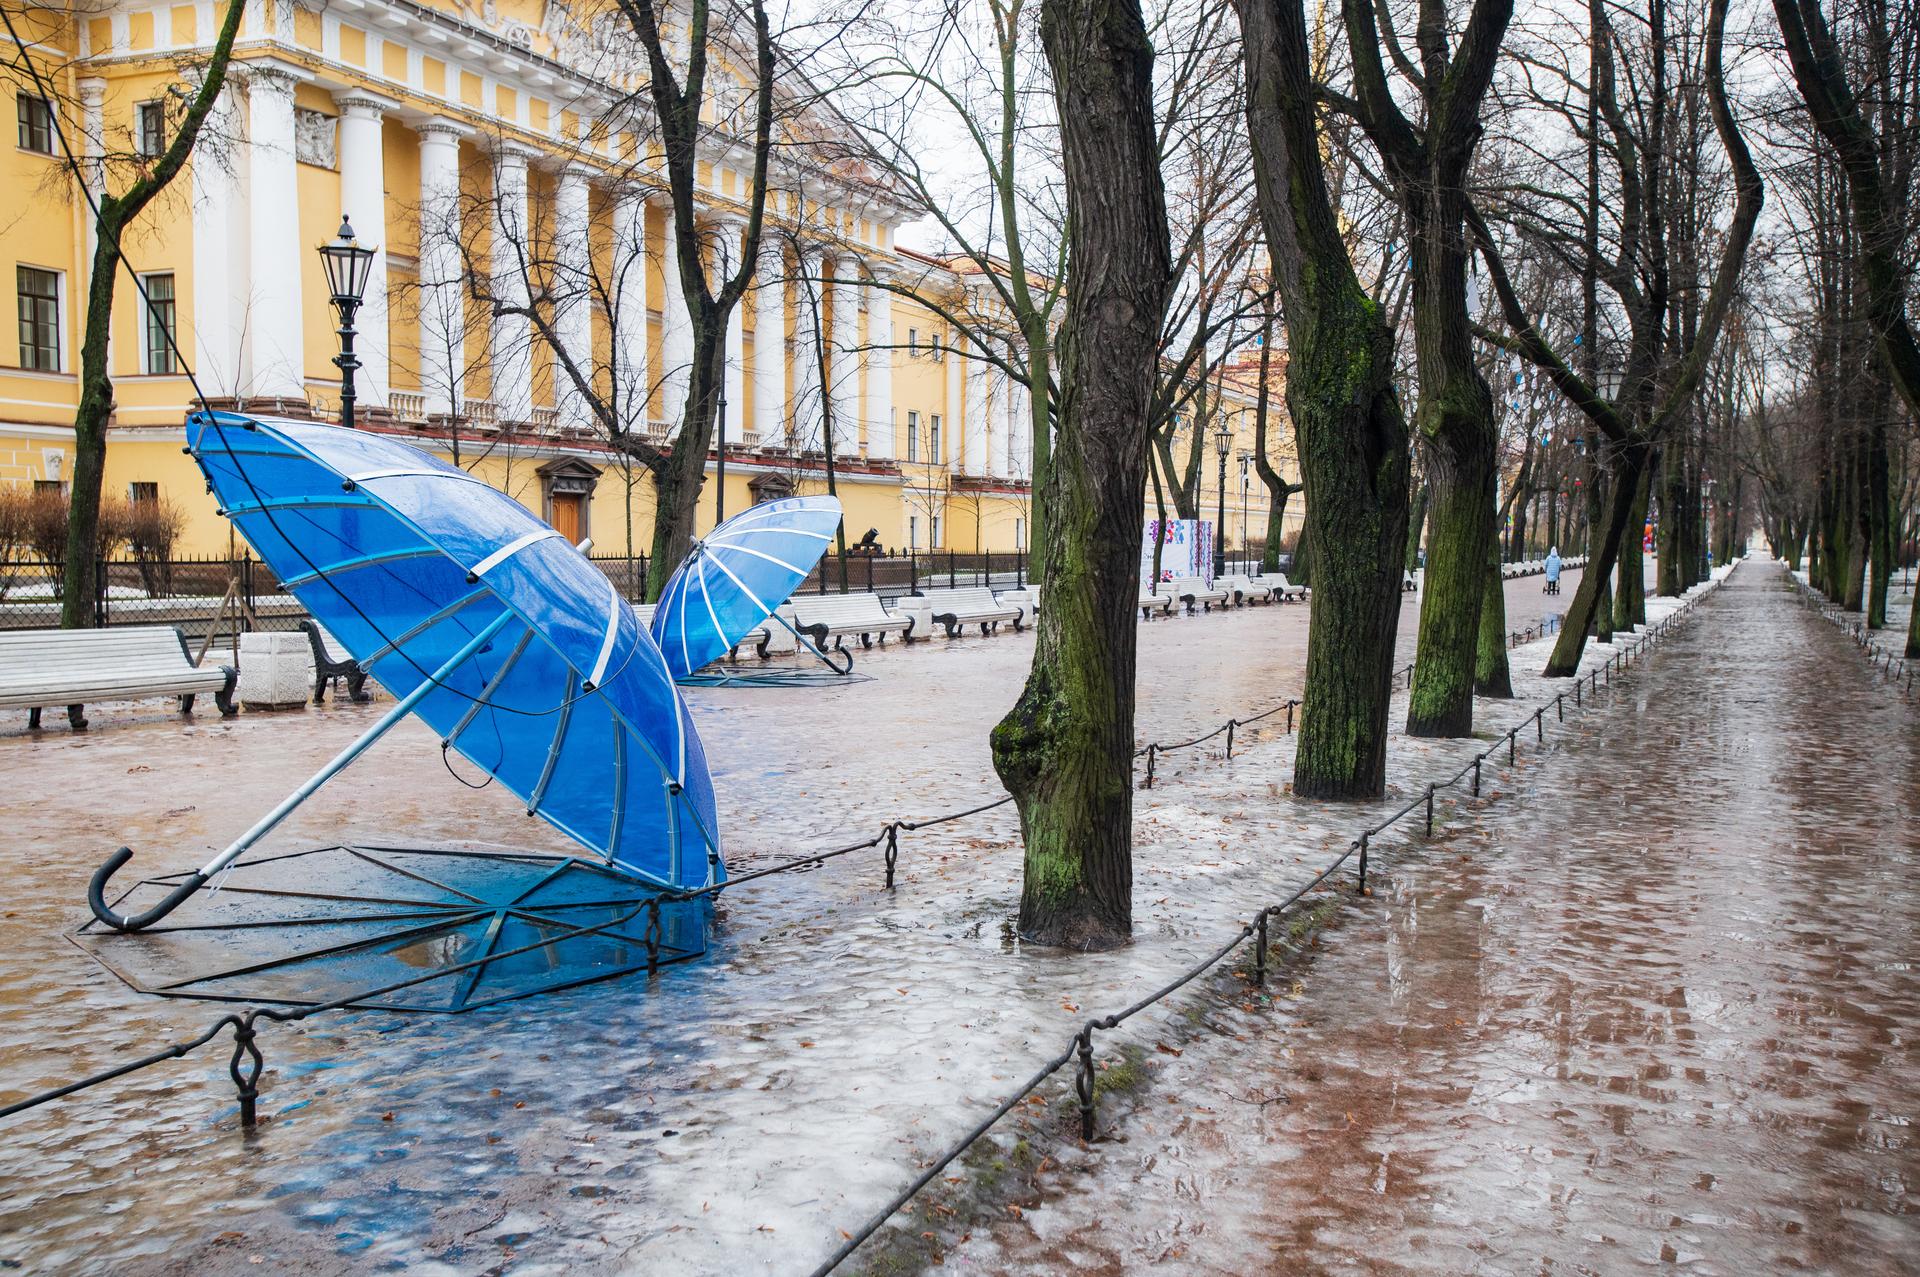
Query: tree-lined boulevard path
x=1659, y=1007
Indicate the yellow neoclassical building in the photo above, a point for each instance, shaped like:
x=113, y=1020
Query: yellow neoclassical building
x=487, y=153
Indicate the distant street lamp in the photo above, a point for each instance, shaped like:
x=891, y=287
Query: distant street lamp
x=1246, y=530
x=1223, y=444
x=349, y=264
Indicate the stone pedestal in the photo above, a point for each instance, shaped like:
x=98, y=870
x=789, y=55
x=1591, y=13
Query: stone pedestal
x=276, y=670
x=917, y=607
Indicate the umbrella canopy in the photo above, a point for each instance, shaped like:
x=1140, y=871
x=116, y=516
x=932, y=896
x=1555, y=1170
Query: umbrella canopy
x=407, y=561
x=736, y=577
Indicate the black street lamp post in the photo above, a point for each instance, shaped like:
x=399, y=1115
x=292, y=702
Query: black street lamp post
x=349, y=263
x=1246, y=526
x=720, y=465
x=1222, y=444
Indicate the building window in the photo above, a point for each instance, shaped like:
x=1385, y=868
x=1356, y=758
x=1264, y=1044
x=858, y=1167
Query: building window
x=36, y=124
x=913, y=436
x=150, y=120
x=1019, y=534
x=162, y=318
x=49, y=485
x=913, y=341
x=913, y=532
x=933, y=440
x=39, y=318
x=933, y=542
x=933, y=344
x=138, y=492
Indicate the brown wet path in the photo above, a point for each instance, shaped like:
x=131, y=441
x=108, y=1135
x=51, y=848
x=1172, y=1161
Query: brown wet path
x=1657, y=1008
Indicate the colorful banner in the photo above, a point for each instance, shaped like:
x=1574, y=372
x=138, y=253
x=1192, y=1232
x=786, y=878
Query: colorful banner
x=1186, y=549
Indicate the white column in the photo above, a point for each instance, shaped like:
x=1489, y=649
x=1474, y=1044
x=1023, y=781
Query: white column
x=1015, y=435
x=979, y=449
x=676, y=342
x=363, y=198
x=512, y=351
x=844, y=366
x=811, y=303
x=273, y=315
x=880, y=369
x=729, y=234
x=770, y=346
x=953, y=372
x=220, y=256
x=443, y=323
x=573, y=294
x=630, y=308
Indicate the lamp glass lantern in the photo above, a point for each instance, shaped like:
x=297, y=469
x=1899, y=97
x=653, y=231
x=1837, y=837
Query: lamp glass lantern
x=349, y=265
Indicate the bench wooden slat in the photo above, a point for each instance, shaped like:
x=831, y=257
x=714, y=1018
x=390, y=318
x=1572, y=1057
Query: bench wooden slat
x=72, y=667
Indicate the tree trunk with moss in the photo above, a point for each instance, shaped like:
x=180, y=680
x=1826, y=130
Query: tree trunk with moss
x=1590, y=599
x=1065, y=750
x=1351, y=433
x=1491, y=674
x=1630, y=584
x=1415, y=521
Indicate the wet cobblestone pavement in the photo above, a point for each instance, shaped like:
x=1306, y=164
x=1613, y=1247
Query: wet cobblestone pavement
x=1658, y=1008
x=733, y=1115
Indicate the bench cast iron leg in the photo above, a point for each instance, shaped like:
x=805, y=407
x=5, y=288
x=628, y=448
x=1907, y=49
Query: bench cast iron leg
x=77, y=718
x=186, y=703
x=33, y=719
x=224, y=697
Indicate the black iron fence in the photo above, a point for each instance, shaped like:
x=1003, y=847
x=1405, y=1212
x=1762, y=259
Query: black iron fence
x=210, y=599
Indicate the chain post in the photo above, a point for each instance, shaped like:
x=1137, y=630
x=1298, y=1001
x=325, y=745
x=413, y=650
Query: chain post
x=1152, y=752
x=1512, y=745
x=653, y=935
x=246, y=1077
x=1560, y=706
x=1576, y=691
x=1289, y=718
x=1083, y=1082
x=1429, y=811
x=1476, y=778
x=1231, y=724
x=1260, y=948
x=1361, y=889
x=1539, y=726
x=893, y=851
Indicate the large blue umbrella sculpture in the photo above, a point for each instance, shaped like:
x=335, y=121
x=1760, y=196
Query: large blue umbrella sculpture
x=488, y=626
x=737, y=576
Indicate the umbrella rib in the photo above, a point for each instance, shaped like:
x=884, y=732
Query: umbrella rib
x=744, y=589
x=239, y=508
x=362, y=561
x=758, y=554
x=619, y=789
x=706, y=597
x=757, y=513
x=416, y=472
x=417, y=877
x=553, y=749
x=472, y=980
x=493, y=685
x=730, y=543
x=391, y=646
x=512, y=548
x=546, y=878
x=606, y=643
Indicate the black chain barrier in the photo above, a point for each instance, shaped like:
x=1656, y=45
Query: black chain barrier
x=1079, y=1049
x=1899, y=670
x=247, y=1062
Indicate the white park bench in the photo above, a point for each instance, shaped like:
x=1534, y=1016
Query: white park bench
x=72, y=667
x=1191, y=590
x=958, y=608
x=1152, y=604
x=834, y=616
x=1282, y=590
x=1244, y=589
x=1407, y=582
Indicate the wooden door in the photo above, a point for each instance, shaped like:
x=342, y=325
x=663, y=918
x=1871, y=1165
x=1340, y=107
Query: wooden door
x=566, y=516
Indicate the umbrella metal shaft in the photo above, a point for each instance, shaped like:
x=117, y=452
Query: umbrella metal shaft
x=291, y=802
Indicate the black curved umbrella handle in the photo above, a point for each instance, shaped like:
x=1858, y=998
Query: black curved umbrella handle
x=97, y=895
x=827, y=654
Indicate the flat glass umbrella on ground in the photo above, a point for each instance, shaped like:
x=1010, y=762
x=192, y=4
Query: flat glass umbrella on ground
x=487, y=626
x=737, y=577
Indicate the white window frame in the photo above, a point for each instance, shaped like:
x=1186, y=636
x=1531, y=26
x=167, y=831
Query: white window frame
x=144, y=317
x=140, y=127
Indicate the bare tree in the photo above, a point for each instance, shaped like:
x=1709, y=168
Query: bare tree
x=141, y=178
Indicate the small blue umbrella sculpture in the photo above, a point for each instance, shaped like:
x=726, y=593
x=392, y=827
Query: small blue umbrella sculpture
x=485, y=623
x=738, y=576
